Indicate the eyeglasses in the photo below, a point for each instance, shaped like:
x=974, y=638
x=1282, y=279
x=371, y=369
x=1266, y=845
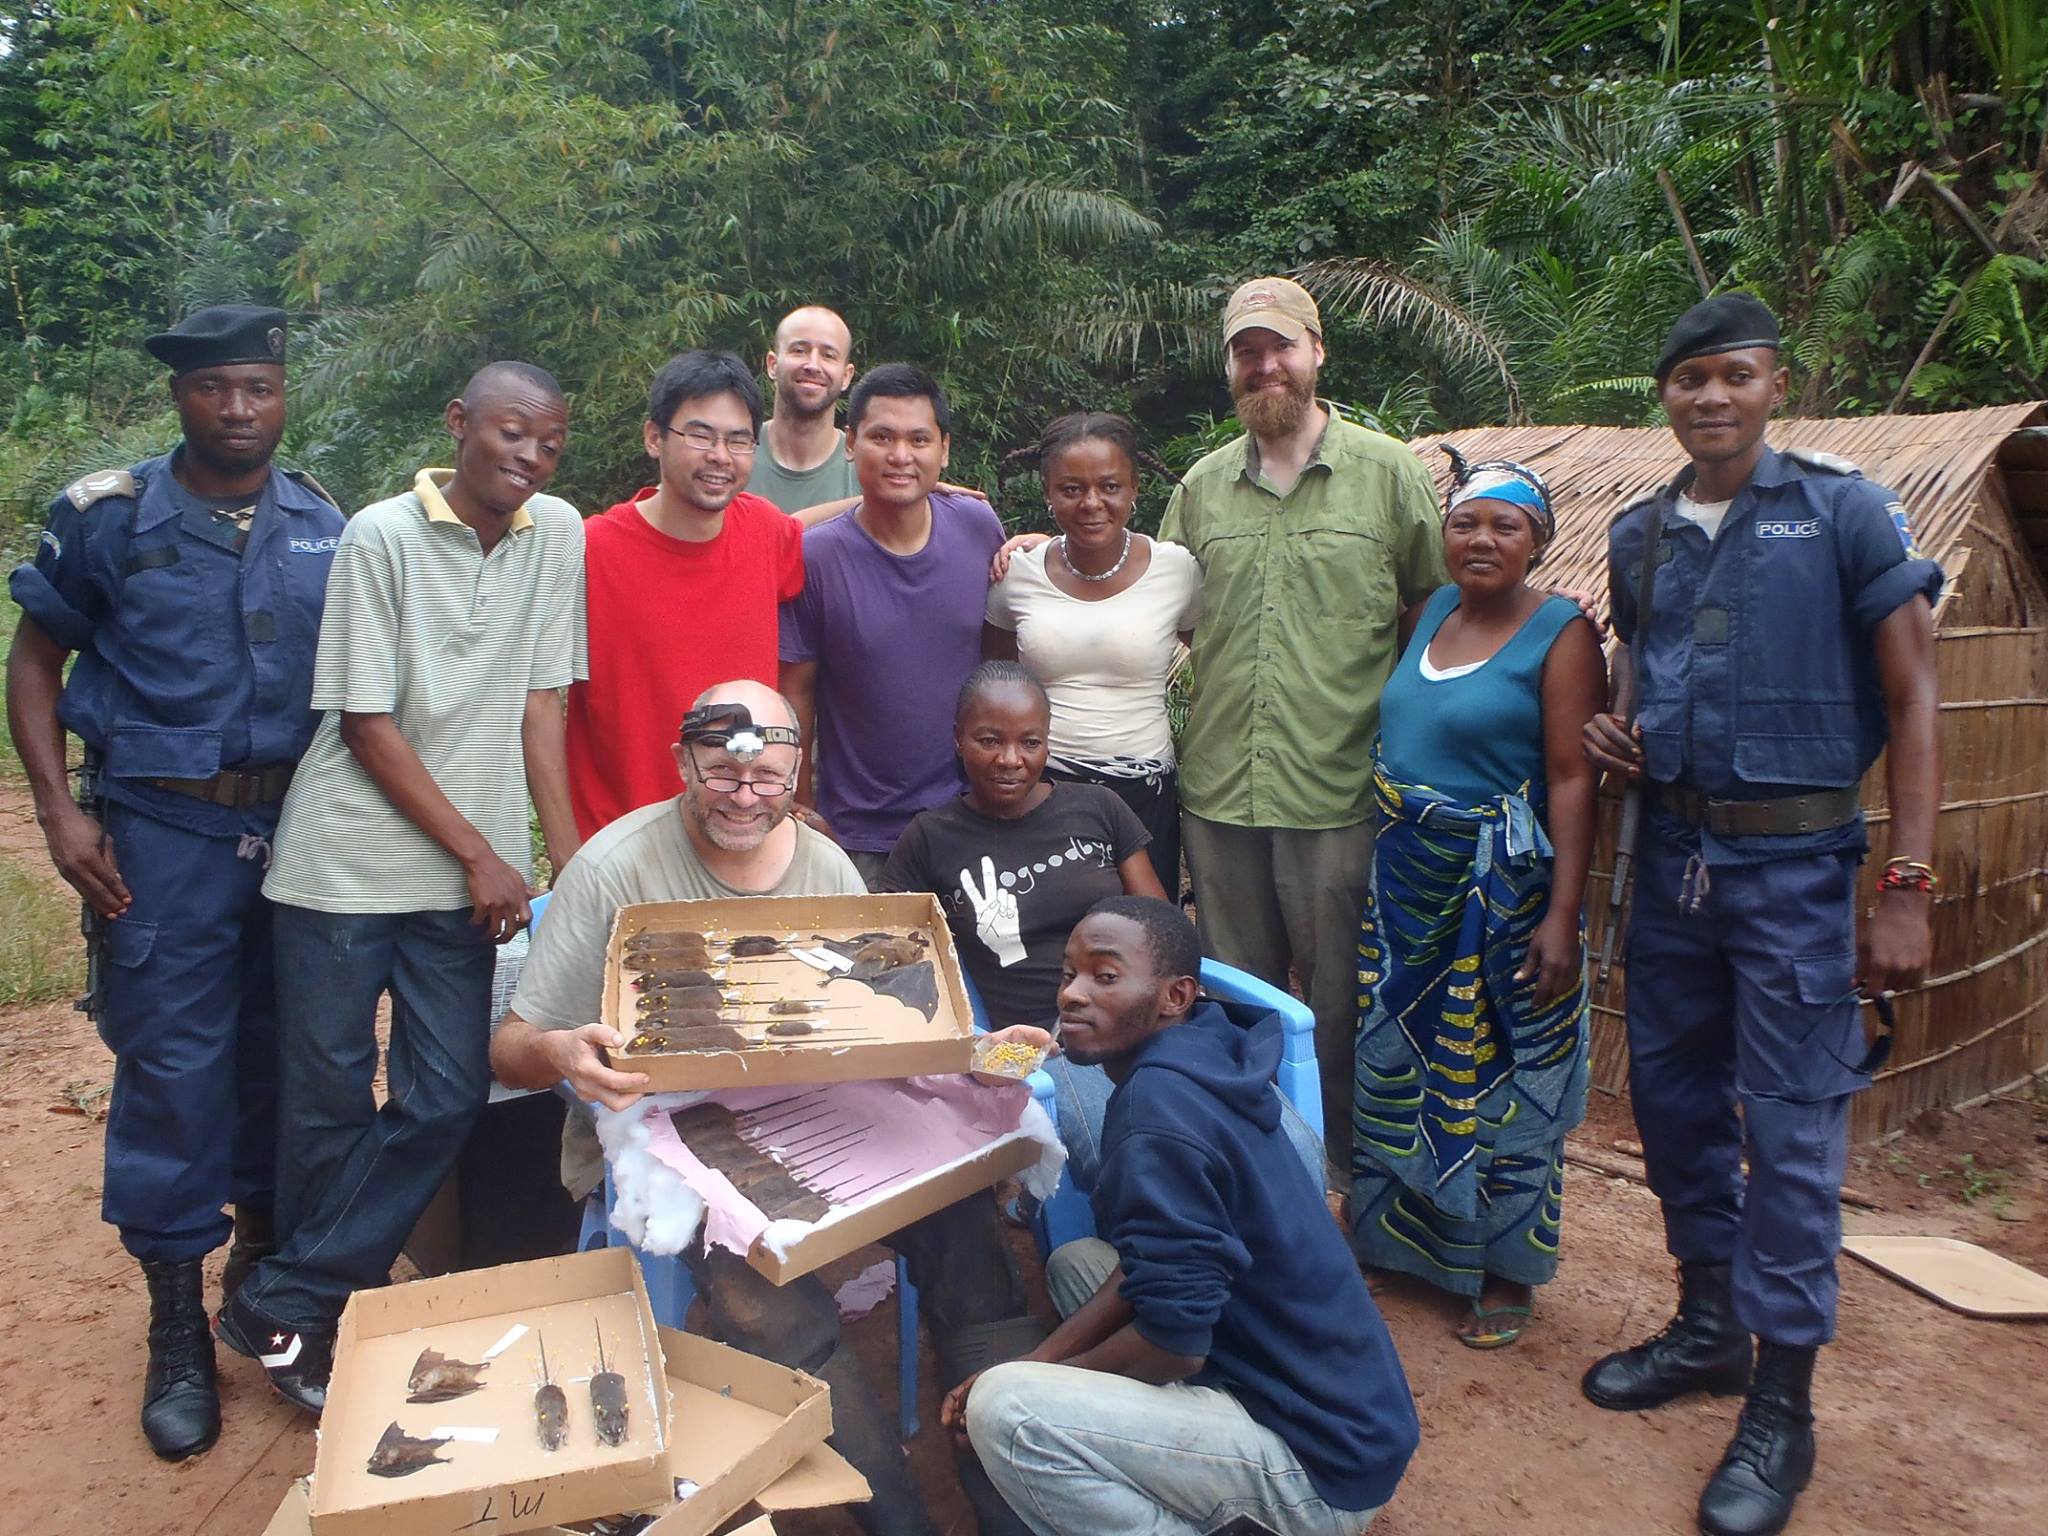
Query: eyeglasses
x=741, y=445
x=764, y=789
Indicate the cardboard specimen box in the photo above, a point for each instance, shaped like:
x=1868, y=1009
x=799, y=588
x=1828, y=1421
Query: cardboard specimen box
x=746, y=1431
x=851, y=1227
x=492, y=1474
x=741, y=1422
x=861, y=1032
x=821, y=1479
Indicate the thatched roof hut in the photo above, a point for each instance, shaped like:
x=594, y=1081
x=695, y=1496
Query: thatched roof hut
x=1976, y=484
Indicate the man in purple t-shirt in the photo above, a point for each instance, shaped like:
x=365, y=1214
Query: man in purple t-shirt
x=889, y=621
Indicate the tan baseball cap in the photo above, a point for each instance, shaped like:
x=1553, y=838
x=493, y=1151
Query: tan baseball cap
x=1274, y=304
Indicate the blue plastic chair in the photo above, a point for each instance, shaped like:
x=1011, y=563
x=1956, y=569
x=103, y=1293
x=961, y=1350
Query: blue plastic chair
x=907, y=1339
x=1067, y=1215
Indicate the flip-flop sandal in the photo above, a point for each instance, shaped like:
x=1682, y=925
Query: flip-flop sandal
x=1493, y=1338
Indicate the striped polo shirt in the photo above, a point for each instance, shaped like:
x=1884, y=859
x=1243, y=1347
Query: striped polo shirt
x=422, y=625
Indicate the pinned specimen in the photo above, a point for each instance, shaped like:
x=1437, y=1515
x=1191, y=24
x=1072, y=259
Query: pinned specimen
x=889, y=951
x=680, y=997
x=550, y=1407
x=716, y=1139
x=667, y=979
x=916, y=985
x=607, y=1398
x=436, y=1378
x=400, y=1455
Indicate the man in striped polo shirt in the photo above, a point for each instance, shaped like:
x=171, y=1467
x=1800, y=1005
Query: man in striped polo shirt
x=454, y=617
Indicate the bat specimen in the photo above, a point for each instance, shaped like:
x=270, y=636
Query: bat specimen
x=607, y=1398
x=400, y=1455
x=915, y=985
x=436, y=1378
x=889, y=951
x=550, y=1407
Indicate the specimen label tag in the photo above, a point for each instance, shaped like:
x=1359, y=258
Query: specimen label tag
x=512, y=1336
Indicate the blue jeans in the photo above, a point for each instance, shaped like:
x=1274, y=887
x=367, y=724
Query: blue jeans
x=352, y=1179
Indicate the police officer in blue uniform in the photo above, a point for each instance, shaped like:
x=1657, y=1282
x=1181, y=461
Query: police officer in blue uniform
x=189, y=587
x=1782, y=634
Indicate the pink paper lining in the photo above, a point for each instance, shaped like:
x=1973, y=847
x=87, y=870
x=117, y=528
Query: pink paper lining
x=915, y=1125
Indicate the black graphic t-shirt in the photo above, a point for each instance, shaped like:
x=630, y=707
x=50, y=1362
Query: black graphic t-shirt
x=1013, y=890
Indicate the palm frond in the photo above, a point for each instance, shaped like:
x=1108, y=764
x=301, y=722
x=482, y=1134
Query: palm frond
x=1392, y=297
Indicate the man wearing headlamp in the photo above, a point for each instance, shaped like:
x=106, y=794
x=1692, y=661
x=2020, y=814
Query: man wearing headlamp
x=729, y=834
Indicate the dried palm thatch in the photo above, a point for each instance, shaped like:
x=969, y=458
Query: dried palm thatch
x=1976, y=483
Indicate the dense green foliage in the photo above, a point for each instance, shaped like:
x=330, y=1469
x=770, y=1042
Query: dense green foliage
x=1503, y=203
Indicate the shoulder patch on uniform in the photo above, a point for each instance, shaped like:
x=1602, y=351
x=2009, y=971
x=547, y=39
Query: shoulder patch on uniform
x=1640, y=501
x=87, y=489
x=314, y=486
x=1903, y=521
x=1831, y=463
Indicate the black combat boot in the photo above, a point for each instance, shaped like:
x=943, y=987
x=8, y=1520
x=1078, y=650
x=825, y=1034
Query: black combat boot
x=1771, y=1457
x=180, y=1405
x=1702, y=1349
x=255, y=1241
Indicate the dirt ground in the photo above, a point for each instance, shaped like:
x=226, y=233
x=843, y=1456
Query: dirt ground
x=1929, y=1421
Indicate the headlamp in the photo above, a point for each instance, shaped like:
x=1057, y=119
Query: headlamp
x=731, y=729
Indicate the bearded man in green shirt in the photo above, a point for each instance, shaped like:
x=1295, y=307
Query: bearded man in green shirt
x=1313, y=535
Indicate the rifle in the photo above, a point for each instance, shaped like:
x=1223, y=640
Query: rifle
x=90, y=923
x=1632, y=797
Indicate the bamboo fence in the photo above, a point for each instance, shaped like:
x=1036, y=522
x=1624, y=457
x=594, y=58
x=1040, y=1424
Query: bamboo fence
x=1976, y=484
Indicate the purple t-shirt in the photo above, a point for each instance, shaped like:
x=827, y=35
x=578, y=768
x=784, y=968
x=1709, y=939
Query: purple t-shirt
x=894, y=637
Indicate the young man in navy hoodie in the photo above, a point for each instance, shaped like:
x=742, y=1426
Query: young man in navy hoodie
x=1221, y=1358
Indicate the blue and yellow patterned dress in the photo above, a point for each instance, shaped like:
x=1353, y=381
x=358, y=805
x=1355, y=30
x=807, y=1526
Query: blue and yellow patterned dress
x=1464, y=1091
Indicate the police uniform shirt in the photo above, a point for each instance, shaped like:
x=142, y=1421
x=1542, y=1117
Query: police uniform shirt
x=195, y=637
x=1758, y=678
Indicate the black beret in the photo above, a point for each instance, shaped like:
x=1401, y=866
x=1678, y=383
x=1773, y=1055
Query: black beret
x=1728, y=322
x=220, y=335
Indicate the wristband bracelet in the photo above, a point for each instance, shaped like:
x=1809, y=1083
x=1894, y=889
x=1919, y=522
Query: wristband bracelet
x=1907, y=877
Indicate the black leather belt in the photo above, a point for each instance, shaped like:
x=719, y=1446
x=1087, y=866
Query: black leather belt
x=1821, y=811
x=236, y=790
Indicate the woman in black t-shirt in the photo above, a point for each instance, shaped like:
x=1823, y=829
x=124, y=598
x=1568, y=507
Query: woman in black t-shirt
x=1016, y=862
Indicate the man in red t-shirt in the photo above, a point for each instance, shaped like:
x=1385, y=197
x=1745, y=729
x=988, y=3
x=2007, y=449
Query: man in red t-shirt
x=684, y=583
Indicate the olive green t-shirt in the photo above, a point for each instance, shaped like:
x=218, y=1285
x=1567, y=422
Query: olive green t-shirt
x=1302, y=597
x=643, y=856
x=793, y=490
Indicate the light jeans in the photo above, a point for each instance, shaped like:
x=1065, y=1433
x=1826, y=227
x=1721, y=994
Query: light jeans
x=1082, y=1453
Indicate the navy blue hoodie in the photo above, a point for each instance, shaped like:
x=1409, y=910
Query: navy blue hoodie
x=1229, y=1253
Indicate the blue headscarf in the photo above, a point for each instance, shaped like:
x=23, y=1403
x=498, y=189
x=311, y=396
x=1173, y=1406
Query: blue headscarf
x=1502, y=480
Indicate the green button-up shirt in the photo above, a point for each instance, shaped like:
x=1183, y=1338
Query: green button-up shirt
x=1301, y=600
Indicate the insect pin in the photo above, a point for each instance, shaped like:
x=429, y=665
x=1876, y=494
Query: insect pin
x=607, y=1398
x=550, y=1406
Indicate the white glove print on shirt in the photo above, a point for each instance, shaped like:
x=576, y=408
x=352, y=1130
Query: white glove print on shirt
x=995, y=914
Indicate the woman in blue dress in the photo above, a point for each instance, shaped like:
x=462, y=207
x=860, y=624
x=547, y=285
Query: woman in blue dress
x=1471, y=1059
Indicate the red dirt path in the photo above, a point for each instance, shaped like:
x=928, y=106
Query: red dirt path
x=1929, y=1422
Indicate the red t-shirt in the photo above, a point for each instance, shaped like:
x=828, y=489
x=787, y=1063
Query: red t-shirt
x=667, y=619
